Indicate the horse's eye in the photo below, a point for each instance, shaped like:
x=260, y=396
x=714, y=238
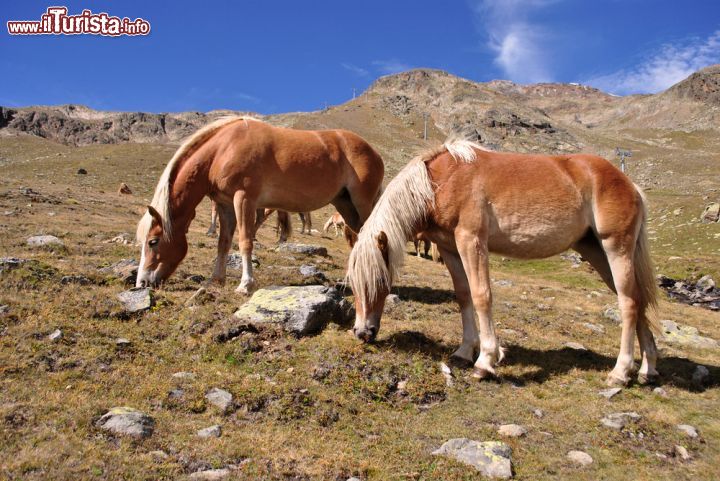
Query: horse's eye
x=153, y=242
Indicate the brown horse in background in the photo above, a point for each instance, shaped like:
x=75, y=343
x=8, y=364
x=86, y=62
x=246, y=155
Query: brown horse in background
x=244, y=164
x=472, y=202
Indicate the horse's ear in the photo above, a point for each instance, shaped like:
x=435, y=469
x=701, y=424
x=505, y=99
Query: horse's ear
x=382, y=242
x=155, y=215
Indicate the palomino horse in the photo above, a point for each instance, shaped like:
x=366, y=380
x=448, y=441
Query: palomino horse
x=336, y=221
x=244, y=164
x=471, y=202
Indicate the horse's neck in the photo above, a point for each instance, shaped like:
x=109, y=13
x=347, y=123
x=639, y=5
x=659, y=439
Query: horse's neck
x=190, y=186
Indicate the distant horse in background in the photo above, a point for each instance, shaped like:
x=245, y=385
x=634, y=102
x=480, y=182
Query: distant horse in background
x=244, y=164
x=472, y=202
x=429, y=246
x=283, y=226
x=336, y=221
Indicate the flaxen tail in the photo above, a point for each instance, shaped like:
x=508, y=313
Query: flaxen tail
x=645, y=274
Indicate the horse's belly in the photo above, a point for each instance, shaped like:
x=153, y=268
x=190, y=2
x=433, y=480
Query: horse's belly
x=536, y=236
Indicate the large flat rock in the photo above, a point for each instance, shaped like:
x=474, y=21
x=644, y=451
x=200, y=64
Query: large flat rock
x=300, y=309
x=491, y=458
x=680, y=335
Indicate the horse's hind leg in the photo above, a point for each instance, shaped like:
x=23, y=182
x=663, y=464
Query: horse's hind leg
x=213, y=219
x=470, y=346
x=245, y=213
x=474, y=254
x=227, y=229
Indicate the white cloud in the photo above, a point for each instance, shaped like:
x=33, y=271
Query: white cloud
x=390, y=66
x=248, y=97
x=359, y=71
x=518, y=44
x=662, y=69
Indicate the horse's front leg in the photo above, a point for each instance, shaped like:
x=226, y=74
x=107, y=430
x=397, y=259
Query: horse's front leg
x=245, y=214
x=227, y=229
x=470, y=346
x=474, y=254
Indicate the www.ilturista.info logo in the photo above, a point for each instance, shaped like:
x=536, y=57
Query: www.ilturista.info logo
x=56, y=21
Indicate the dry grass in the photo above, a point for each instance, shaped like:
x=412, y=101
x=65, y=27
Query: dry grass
x=349, y=422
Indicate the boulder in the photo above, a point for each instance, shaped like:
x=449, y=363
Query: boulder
x=674, y=333
x=44, y=241
x=137, y=299
x=299, y=309
x=490, y=458
x=127, y=421
x=306, y=249
x=711, y=213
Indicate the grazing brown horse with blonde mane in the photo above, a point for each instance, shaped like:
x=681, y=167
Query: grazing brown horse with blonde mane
x=244, y=164
x=472, y=202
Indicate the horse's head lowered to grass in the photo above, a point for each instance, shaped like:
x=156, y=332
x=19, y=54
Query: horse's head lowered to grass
x=161, y=250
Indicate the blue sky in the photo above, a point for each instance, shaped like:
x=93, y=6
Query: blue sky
x=276, y=56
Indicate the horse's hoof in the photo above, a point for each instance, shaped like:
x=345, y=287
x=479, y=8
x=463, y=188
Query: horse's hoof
x=482, y=374
x=615, y=381
x=246, y=289
x=461, y=362
x=648, y=379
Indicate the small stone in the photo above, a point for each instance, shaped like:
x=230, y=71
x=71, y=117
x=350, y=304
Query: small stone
x=543, y=307
x=705, y=283
x=619, y=420
x=580, y=458
x=401, y=387
x=538, y=413
x=711, y=213
x=44, y=240
x=183, y=375
x=210, y=432
x=612, y=314
x=159, y=455
x=221, y=399
x=308, y=270
x=127, y=421
x=594, y=327
x=176, y=393
x=660, y=392
x=392, y=300
x=81, y=280
x=320, y=372
x=137, y=299
x=353, y=479
x=200, y=297
x=512, y=430
x=310, y=250
x=503, y=283
x=682, y=453
x=210, y=474
x=609, y=393
x=196, y=278
x=689, y=430
x=701, y=375
x=56, y=335
x=575, y=345
x=81, y=171
x=124, y=189
x=122, y=343
x=10, y=263
x=490, y=458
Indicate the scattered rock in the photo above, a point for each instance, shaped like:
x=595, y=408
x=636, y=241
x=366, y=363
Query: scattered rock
x=127, y=421
x=612, y=314
x=44, y=241
x=711, y=213
x=159, y=455
x=124, y=269
x=210, y=432
x=706, y=283
x=580, y=458
x=575, y=345
x=491, y=458
x=10, y=263
x=200, y=297
x=56, y=335
x=299, y=309
x=306, y=249
x=660, y=392
x=81, y=280
x=234, y=261
x=674, y=333
x=176, y=394
x=320, y=372
x=538, y=413
x=512, y=430
x=210, y=474
x=594, y=327
x=308, y=270
x=689, y=430
x=503, y=283
x=619, y=420
x=81, y=172
x=183, y=375
x=702, y=293
x=137, y=299
x=682, y=453
x=122, y=343
x=232, y=328
x=196, y=278
x=392, y=301
x=609, y=393
x=701, y=375
x=221, y=399
x=124, y=189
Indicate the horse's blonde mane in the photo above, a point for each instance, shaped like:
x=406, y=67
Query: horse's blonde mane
x=401, y=209
x=161, y=198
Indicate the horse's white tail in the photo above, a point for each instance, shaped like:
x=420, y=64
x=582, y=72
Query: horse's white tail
x=645, y=274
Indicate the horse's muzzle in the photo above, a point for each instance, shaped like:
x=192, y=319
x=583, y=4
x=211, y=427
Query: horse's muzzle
x=365, y=334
